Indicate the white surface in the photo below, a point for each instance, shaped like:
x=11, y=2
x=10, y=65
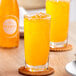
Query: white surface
x=71, y=68
x=73, y=11
x=22, y=12
x=36, y=11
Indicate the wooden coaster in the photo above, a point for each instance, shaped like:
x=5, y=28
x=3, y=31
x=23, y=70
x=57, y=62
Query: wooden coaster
x=24, y=71
x=67, y=48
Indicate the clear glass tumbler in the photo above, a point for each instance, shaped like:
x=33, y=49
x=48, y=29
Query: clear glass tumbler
x=59, y=11
x=36, y=39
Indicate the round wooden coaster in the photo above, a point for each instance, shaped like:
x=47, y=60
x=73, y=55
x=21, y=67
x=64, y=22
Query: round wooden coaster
x=24, y=71
x=67, y=48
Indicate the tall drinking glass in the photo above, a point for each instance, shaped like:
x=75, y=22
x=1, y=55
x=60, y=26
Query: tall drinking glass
x=59, y=11
x=36, y=39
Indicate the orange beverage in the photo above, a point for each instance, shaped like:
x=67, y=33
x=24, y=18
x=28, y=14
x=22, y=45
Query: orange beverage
x=59, y=11
x=9, y=23
x=36, y=39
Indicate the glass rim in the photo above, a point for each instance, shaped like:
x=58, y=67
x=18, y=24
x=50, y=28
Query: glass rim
x=32, y=14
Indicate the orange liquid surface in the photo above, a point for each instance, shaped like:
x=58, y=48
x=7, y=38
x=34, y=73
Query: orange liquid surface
x=9, y=23
x=36, y=32
x=59, y=12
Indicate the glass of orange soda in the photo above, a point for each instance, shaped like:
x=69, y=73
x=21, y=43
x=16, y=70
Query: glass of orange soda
x=59, y=11
x=36, y=40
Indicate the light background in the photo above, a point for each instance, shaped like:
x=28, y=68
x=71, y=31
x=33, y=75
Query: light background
x=73, y=11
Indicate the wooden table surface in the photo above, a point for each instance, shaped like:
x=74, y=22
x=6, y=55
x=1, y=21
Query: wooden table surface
x=12, y=59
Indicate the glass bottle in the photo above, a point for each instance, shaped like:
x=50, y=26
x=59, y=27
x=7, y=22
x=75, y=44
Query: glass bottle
x=9, y=23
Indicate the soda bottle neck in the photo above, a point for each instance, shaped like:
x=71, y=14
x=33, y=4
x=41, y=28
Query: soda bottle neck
x=7, y=2
x=8, y=6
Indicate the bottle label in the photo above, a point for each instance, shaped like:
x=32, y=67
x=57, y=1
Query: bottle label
x=10, y=26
